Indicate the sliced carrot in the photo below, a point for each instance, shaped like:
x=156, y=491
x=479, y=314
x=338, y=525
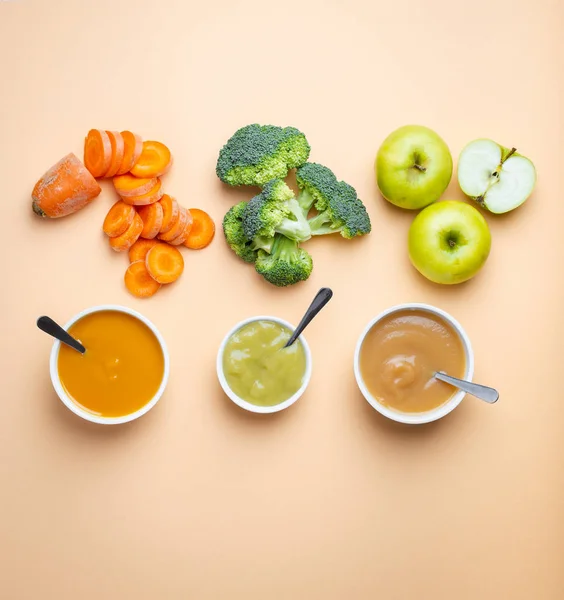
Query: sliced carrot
x=203, y=230
x=123, y=242
x=139, y=282
x=171, y=209
x=118, y=147
x=127, y=185
x=178, y=227
x=152, y=216
x=139, y=250
x=97, y=152
x=155, y=160
x=164, y=263
x=183, y=235
x=132, y=151
x=118, y=219
x=152, y=196
x=65, y=188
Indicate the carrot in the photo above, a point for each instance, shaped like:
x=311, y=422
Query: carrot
x=132, y=151
x=152, y=216
x=170, y=212
x=155, y=160
x=139, y=250
x=177, y=228
x=164, y=263
x=127, y=185
x=203, y=230
x=118, y=147
x=139, y=282
x=154, y=195
x=118, y=219
x=183, y=235
x=97, y=152
x=65, y=188
x=123, y=242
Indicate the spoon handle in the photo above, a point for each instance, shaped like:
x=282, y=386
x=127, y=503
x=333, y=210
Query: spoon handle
x=320, y=300
x=49, y=326
x=483, y=392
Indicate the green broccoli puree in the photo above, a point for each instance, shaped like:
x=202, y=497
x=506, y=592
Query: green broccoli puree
x=257, y=367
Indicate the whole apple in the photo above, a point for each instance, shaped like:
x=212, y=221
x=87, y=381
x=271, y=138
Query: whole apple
x=449, y=242
x=413, y=167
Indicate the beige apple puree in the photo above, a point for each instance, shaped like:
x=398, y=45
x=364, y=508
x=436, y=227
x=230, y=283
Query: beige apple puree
x=400, y=355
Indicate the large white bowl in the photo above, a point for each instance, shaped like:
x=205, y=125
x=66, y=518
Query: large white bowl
x=248, y=405
x=72, y=405
x=431, y=415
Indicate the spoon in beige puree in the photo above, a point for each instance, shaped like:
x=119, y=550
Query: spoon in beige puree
x=483, y=392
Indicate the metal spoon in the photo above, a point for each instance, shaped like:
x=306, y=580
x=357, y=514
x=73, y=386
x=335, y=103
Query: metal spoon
x=320, y=300
x=483, y=392
x=49, y=326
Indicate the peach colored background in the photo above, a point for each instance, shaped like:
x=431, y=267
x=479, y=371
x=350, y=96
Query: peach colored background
x=327, y=501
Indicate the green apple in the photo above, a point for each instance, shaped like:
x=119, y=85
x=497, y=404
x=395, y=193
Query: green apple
x=496, y=177
x=413, y=167
x=449, y=242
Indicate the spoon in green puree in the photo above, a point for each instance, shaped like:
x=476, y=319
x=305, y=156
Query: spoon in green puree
x=321, y=298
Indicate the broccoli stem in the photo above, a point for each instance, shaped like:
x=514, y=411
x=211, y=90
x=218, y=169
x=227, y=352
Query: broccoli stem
x=321, y=225
x=296, y=229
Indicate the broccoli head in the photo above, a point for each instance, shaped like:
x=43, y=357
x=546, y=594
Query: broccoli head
x=317, y=184
x=236, y=238
x=255, y=154
x=275, y=210
x=287, y=263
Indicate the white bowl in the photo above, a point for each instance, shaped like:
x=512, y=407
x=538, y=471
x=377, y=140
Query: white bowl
x=72, y=405
x=431, y=415
x=248, y=405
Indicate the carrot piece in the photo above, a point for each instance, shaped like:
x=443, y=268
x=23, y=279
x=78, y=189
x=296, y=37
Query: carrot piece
x=133, y=146
x=164, y=263
x=139, y=282
x=203, y=230
x=183, y=235
x=118, y=219
x=171, y=209
x=123, y=242
x=155, y=160
x=128, y=186
x=97, y=152
x=152, y=216
x=118, y=147
x=177, y=228
x=65, y=188
x=139, y=250
x=154, y=195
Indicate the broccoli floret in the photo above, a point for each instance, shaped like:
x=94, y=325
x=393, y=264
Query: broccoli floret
x=255, y=154
x=236, y=238
x=286, y=264
x=275, y=210
x=339, y=209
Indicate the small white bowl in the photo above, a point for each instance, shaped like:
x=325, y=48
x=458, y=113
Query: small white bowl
x=431, y=415
x=72, y=405
x=248, y=405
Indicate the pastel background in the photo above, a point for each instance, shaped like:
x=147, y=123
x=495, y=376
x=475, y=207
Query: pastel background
x=327, y=501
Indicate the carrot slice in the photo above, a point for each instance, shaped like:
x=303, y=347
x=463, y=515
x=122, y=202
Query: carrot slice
x=183, y=235
x=65, y=188
x=203, y=230
x=155, y=160
x=123, y=242
x=152, y=196
x=118, y=219
x=164, y=263
x=139, y=282
x=118, y=147
x=177, y=228
x=171, y=209
x=132, y=151
x=139, y=250
x=152, y=216
x=97, y=152
x=127, y=185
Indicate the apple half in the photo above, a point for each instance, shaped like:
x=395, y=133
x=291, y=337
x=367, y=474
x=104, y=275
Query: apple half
x=497, y=178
